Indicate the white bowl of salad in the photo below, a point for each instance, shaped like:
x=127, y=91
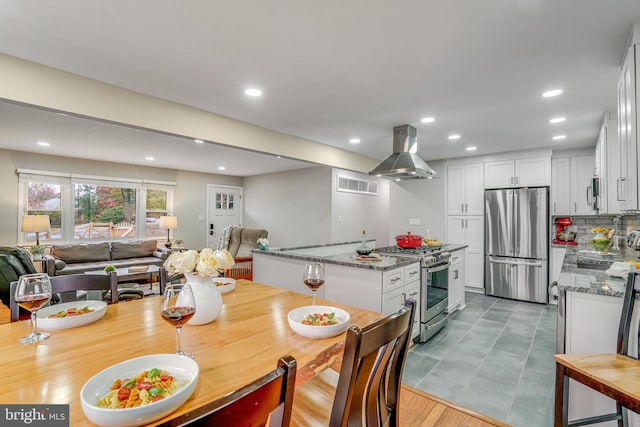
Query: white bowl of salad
x=158, y=383
x=318, y=321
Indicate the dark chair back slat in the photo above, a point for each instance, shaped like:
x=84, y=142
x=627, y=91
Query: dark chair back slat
x=371, y=371
x=270, y=395
x=73, y=283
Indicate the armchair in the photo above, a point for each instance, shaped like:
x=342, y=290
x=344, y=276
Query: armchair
x=241, y=242
x=14, y=262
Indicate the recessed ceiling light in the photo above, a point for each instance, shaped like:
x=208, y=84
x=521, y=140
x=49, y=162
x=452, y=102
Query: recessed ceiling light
x=198, y=141
x=472, y=148
x=354, y=140
x=43, y=143
x=221, y=168
x=398, y=180
x=550, y=93
x=278, y=157
x=150, y=158
x=428, y=119
x=253, y=92
x=454, y=136
x=429, y=177
x=559, y=137
x=557, y=120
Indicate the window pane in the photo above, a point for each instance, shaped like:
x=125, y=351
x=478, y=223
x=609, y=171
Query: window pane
x=45, y=199
x=156, y=207
x=104, y=212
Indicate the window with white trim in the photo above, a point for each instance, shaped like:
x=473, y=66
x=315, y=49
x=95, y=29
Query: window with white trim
x=84, y=208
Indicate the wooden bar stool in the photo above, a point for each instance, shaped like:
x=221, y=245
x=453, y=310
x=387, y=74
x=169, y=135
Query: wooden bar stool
x=614, y=375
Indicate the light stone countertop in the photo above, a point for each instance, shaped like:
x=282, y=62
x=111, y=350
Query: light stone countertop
x=349, y=258
x=595, y=281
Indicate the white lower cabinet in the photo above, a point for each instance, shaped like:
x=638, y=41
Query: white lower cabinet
x=456, y=281
x=393, y=297
x=469, y=230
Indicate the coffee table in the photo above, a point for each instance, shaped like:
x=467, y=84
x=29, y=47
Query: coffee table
x=125, y=276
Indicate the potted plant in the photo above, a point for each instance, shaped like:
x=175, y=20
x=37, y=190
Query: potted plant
x=37, y=251
x=178, y=242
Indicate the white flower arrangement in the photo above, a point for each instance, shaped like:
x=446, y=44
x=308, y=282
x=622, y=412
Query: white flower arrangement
x=208, y=262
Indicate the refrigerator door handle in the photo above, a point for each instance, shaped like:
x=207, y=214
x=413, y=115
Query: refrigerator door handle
x=514, y=263
x=516, y=220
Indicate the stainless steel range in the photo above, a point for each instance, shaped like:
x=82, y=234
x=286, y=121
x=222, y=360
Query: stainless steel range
x=434, y=285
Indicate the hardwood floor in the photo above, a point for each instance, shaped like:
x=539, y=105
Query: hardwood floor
x=420, y=409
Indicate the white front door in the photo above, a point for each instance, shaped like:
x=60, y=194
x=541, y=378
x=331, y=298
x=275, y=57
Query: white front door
x=224, y=209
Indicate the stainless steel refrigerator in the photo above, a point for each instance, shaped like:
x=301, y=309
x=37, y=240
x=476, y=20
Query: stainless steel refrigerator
x=516, y=245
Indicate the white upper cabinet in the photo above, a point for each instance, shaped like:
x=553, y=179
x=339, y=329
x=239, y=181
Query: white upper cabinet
x=571, y=187
x=465, y=190
x=607, y=160
x=533, y=172
x=581, y=185
x=560, y=186
x=627, y=180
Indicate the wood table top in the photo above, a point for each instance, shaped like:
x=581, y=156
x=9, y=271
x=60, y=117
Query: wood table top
x=242, y=344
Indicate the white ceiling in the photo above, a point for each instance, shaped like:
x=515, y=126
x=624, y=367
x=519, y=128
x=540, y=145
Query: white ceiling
x=333, y=70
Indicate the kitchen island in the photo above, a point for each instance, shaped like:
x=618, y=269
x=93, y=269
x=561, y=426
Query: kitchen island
x=589, y=307
x=380, y=286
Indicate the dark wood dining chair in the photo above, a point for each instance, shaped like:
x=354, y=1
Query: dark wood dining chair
x=269, y=398
x=615, y=375
x=67, y=285
x=164, y=278
x=366, y=392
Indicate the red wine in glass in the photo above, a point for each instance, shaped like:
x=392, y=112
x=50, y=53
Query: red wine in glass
x=178, y=316
x=177, y=307
x=314, y=284
x=34, y=302
x=313, y=278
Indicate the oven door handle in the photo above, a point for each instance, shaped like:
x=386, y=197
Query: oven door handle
x=438, y=268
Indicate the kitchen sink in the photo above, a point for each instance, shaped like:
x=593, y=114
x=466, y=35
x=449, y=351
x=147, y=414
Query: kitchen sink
x=594, y=265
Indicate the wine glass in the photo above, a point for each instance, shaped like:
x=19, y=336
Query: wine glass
x=313, y=277
x=177, y=307
x=32, y=292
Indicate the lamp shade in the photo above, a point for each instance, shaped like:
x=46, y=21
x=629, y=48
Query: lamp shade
x=35, y=223
x=169, y=222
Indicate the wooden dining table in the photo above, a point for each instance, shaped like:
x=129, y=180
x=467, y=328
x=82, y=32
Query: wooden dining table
x=242, y=344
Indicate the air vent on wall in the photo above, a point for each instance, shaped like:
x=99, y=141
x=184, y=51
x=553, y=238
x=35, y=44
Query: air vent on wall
x=353, y=185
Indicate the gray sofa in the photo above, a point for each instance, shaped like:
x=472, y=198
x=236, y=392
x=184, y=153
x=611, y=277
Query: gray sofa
x=74, y=258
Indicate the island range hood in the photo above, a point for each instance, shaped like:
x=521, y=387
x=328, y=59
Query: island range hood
x=404, y=163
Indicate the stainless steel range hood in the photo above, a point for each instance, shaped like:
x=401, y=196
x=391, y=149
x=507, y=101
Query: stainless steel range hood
x=404, y=163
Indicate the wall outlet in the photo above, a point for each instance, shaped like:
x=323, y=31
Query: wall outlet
x=414, y=221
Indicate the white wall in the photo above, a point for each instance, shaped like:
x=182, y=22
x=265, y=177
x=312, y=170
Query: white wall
x=294, y=206
x=422, y=199
x=352, y=212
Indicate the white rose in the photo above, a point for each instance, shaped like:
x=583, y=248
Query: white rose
x=182, y=262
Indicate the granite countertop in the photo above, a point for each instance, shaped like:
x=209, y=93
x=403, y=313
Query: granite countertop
x=592, y=280
x=349, y=258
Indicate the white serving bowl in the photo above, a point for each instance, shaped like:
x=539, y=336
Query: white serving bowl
x=183, y=368
x=229, y=284
x=99, y=307
x=296, y=315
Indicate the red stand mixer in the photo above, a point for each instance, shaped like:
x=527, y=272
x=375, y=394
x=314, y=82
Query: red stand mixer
x=563, y=236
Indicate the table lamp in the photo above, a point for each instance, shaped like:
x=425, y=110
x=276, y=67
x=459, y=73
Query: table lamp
x=37, y=223
x=168, y=222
